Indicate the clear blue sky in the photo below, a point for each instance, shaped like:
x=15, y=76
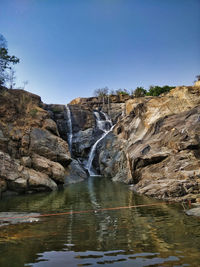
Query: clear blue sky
x=68, y=48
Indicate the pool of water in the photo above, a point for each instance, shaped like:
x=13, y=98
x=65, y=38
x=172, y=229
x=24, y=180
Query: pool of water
x=160, y=235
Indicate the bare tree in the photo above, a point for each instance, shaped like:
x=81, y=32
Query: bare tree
x=11, y=78
x=25, y=84
x=198, y=77
x=101, y=92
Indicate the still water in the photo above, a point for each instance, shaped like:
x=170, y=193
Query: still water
x=159, y=235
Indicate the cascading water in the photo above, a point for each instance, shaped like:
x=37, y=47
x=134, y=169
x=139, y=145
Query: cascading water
x=69, y=123
x=104, y=125
x=107, y=118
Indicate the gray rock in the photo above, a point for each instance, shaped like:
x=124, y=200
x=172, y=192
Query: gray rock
x=193, y=212
x=7, y=218
x=75, y=173
x=40, y=181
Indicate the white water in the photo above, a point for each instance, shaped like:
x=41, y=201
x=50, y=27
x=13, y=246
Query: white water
x=69, y=123
x=101, y=124
x=107, y=118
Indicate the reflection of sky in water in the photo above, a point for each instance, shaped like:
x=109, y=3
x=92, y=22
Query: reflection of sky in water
x=126, y=237
x=98, y=258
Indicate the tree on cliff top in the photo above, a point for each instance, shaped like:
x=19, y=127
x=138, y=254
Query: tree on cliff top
x=101, y=92
x=158, y=90
x=198, y=78
x=139, y=92
x=5, y=60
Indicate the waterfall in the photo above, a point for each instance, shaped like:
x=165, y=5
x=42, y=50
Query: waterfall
x=102, y=125
x=107, y=118
x=69, y=123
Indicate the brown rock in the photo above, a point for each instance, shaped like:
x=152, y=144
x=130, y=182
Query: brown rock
x=3, y=185
x=50, y=125
x=26, y=161
x=48, y=145
x=53, y=169
x=40, y=181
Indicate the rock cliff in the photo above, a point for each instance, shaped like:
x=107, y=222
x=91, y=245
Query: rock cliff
x=33, y=156
x=156, y=146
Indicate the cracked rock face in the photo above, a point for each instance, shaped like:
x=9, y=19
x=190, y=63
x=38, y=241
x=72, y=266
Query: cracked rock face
x=156, y=146
x=33, y=157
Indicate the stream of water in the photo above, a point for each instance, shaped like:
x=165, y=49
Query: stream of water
x=159, y=235
x=69, y=123
x=105, y=125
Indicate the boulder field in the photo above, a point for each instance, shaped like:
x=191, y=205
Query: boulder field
x=154, y=145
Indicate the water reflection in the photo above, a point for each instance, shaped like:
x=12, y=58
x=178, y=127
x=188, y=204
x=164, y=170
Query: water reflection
x=155, y=235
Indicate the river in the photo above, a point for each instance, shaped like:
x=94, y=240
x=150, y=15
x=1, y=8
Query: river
x=160, y=235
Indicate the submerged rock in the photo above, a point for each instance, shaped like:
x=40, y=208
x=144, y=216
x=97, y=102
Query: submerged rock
x=7, y=218
x=75, y=173
x=193, y=212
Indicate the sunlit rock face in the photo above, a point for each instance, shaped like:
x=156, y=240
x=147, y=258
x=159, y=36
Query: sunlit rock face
x=156, y=145
x=33, y=156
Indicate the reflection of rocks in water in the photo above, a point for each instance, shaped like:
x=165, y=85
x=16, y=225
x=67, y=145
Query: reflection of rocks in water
x=7, y=218
x=123, y=233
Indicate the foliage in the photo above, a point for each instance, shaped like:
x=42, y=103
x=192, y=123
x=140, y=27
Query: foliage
x=122, y=92
x=198, y=77
x=139, y=92
x=5, y=60
x=33, y=112
x=157, y=90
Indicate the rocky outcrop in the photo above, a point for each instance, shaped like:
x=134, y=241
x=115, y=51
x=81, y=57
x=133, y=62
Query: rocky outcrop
x=33, y=156
x=84, y=130
x=156, y=146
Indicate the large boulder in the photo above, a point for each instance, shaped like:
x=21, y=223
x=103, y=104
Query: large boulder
x=53, y=169
x=40, y=181
x=75, y=173
x=48, y=145
x=16, y=177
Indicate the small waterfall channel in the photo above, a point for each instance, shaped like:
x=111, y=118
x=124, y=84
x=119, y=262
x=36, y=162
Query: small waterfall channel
x=104, y=125
x=69, y=123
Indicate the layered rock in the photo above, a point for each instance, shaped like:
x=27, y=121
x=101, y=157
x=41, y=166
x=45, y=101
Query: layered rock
x=84, y=128
x=156, y=146
x=33, y=156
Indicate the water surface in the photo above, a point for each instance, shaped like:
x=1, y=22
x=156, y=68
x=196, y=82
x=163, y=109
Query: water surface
x=159, y=235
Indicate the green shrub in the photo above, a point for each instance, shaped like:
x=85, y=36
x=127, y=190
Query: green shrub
x=157, y=90
x=122, y=92
x=33, y=112
x=139, y=92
